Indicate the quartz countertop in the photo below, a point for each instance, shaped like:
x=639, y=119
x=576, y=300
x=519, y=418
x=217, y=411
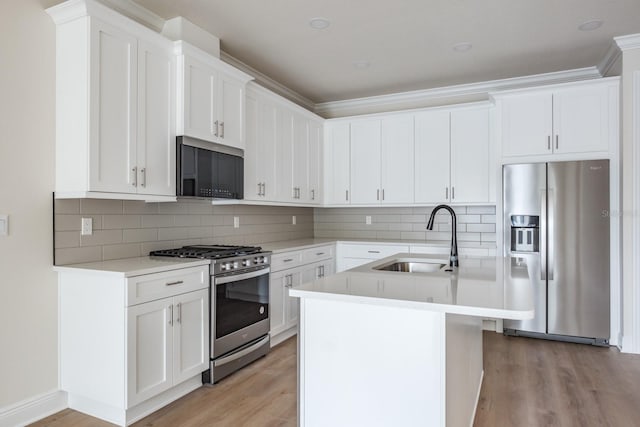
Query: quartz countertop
x=475, y=288
x=129, y=267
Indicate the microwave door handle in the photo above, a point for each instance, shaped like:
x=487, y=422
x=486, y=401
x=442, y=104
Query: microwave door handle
x=244, y=276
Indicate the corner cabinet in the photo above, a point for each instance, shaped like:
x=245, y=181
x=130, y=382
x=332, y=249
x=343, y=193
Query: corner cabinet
x=283, y=155
x=115, y=106
x=572, y=118
x=143, y=338
x=211, y=97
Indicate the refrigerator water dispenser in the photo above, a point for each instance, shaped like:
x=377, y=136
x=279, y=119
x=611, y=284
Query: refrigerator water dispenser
x=525, y=233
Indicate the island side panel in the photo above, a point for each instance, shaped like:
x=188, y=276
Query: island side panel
x=373, y=365
x=464, y=369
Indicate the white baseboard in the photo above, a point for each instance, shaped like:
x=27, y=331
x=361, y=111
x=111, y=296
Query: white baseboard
x=33, y=409
x=283, y=336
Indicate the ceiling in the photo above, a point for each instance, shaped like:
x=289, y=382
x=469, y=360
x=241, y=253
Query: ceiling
x=407, y=44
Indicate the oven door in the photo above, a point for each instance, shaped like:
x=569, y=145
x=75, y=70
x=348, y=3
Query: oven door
x=240, y=304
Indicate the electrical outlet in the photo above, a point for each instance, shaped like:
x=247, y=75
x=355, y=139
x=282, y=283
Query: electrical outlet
x=293, y=219
x=86, y=227
x=4, y=225
x=236, y=222
x=367, y=219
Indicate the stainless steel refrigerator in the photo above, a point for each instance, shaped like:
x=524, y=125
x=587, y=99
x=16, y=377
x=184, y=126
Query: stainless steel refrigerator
x=556, y=234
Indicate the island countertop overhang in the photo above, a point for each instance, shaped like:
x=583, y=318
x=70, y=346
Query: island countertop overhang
x=476, y=288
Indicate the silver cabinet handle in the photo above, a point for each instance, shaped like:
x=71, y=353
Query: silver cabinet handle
x=548, y=142
x=446, y=193
x=221, y=129
x=383, y=194
x=556, y=142
x=453, y=192
x=171, y=315
x=215, y=124
x=143, y=171
x=179, y=306
x=322, y=267
x=378, y=194
x=287, y=260
x=264, y=188
x=259, y=189
x=177, y=282
x=319, y=253
x=346, y=197
x=313, y=194
x=374, y=252
x=319, y=272
x=134, y=182
x=288, y=281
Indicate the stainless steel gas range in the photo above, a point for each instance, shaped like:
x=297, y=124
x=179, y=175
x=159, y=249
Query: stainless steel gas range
x=239, y=304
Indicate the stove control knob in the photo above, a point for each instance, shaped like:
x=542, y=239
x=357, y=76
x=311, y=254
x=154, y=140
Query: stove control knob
x=246, y=262
x=235, y=264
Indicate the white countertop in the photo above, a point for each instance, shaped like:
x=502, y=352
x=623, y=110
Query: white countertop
x=129, y=267
x=475, y=288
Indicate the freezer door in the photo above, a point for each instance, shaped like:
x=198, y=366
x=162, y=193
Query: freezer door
x=524, y=195
x=578, y=267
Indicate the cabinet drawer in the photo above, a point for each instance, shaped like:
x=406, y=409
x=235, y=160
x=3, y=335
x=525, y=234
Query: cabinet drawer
x=150, y=287
x=286, y=260
x=372, y=251
x=317, y=254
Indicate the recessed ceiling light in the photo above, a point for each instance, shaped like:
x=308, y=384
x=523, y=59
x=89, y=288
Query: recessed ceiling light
x=462, y=47
x=591, y=25
x=361, y=65
x=319, y=23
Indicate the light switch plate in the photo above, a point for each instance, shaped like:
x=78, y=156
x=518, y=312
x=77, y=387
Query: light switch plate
x=293, y=219
x=4, y=225
x=367, y=219
x=236, y=222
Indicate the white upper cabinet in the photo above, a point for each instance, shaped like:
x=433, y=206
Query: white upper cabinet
x=315, y=194
x=452, y=156
x=365, y=161
x=574, y=118
x=260, y=152
x=432, y=156
x=211, y=98
x=397, y=158
x=300, y=157
x=337, y=163
x=115, y=114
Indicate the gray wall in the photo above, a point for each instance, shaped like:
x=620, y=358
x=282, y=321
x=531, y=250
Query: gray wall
x=124, y=229
x=475, y=223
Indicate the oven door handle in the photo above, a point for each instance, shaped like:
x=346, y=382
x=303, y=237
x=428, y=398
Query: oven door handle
x=243, y=276
x=238, y=354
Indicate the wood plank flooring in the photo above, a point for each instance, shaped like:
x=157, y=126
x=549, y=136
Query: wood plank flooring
x=527, y=382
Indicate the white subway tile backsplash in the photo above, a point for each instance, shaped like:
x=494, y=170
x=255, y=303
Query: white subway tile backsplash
x=156, y=221
x=111, y=222
x=101, y=237
x=73, y=222
x=101, y=206
x=127, y=250
x=131, y=207
x=67, y=206
x=67, y=239
x=481, y=228
x=481, y=209
x=78, y=255
x=140, y=235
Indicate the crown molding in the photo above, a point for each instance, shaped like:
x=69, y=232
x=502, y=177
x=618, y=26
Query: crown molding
x=136, y=12
x=181, y=47
x=268, y=82
x=610, y=58
x=482, y=88
x=632, y=41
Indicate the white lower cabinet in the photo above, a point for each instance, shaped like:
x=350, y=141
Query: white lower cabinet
x=351, y=255
x=291, y=269
x=132, y=344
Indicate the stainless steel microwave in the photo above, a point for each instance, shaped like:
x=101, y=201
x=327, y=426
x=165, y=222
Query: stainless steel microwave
x=208, y=170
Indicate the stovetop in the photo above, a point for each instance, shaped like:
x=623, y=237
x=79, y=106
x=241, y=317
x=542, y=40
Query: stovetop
x=208, y=251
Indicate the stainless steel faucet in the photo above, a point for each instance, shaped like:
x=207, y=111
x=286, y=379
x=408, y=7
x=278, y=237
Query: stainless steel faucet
x=453, y=257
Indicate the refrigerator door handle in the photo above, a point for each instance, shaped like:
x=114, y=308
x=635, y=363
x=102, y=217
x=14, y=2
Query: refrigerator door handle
x=550, y=233
x=543, y=235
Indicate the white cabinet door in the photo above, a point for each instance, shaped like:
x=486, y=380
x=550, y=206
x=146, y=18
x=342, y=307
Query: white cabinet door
x=397, y=158
x=292, y=308
x=199, y=98
x=432, y=157
x=315, y=162
x=149, y=350
x=277, y=288
x=470, y=156
x=284, y=157
x=113, y=81
x=190, y=335
x=231, y=95
x=581, y=119
x=269, y=117
x=365, y=162
x=156, y=120
x=300, y=164
x=252, y=160
x=527, y=124
x=337, y=164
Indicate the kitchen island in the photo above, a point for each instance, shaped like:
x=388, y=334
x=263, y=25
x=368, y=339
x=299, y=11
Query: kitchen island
x=381, y=348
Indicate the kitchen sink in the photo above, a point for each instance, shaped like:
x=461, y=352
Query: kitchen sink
x=411, y=267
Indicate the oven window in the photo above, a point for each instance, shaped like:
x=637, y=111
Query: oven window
x=241, y=303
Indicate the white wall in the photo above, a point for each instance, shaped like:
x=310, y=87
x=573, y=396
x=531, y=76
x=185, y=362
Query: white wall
x=28, y=290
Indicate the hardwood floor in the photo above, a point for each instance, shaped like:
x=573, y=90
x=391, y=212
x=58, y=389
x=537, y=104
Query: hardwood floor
x=527, y=382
